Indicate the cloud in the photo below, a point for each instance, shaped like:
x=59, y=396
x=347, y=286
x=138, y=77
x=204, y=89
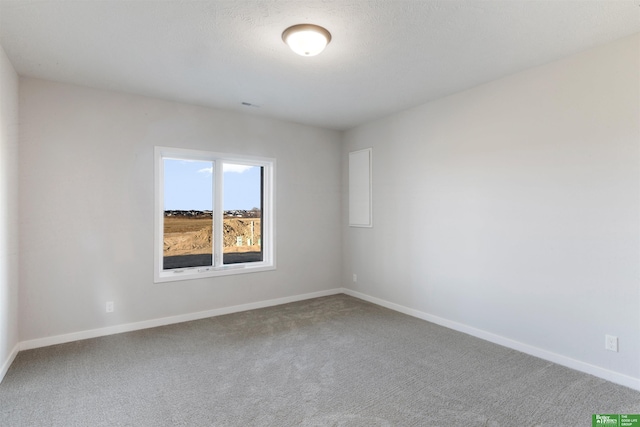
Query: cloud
x=227, y=167
x=230, y=167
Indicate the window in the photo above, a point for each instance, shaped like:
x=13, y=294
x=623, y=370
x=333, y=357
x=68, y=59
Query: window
x=214, y=214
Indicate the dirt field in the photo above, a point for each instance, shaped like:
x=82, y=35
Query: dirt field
x=192, y=236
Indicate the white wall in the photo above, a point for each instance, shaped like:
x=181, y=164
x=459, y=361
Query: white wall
x=86, y=200
x=8, y=212
x=513, y=209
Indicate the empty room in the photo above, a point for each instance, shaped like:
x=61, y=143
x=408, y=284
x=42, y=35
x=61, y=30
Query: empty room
x=319, y=213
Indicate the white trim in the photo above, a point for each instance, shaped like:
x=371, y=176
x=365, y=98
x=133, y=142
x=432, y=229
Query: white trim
x=599, y=372
x=9, y=361
x=578, y=365
x=145, y=324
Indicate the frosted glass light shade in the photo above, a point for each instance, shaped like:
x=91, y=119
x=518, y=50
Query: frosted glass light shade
x=306, y=39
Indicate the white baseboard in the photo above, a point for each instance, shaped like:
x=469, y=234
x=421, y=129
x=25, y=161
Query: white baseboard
x=128, y=327
x=5, y=366
x=605, y=374
x=596, y=371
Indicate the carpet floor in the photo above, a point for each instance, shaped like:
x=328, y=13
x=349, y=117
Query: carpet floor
x=332, y=361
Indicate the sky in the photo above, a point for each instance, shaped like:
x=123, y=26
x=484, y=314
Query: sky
x=188, y=185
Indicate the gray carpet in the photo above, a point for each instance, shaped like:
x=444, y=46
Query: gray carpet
x=333, y=361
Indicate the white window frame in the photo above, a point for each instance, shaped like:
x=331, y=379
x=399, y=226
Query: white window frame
x=218, y=268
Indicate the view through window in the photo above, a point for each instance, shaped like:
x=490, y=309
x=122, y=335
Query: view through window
x=242, y=230
x=213, y=213
x=188, y=214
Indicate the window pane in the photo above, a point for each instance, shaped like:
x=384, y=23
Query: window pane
x=242, y=205
x=188, y=217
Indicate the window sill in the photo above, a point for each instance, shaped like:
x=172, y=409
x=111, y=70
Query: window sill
x=205, y=272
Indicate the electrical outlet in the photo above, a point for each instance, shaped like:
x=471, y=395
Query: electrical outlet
x=611, y=343
x=355, y=277
x=109, y=306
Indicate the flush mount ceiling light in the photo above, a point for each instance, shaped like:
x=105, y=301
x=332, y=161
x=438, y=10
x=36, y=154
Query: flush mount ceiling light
x=306, y=39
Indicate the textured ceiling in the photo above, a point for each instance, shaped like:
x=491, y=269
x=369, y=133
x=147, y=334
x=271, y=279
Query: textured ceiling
x=385, y=56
